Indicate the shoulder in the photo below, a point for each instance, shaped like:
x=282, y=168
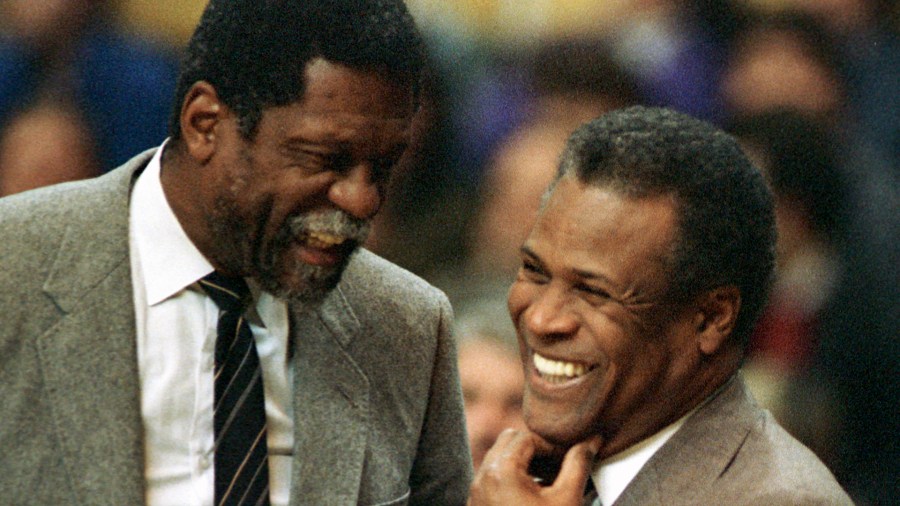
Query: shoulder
x=397, y=315
x=33, y=224
x=738, y=454
x=42, y=204
x=382, y=285
x=772, y=467
x=35, y=221
x=788, y=463
x=66, y=202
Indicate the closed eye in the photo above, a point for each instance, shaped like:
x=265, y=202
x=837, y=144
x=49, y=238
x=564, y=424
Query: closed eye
x=307, y=159
x=594, y=291
x=533, y=271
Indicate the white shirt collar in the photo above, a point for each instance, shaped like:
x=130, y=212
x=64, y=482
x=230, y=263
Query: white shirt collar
x=612, y=475
x=169, y=260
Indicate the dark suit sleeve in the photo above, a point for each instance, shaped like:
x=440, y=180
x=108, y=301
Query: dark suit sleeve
x=442, y=472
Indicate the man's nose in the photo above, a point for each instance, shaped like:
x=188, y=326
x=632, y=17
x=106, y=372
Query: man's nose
x=550, y=315
x=356, y=192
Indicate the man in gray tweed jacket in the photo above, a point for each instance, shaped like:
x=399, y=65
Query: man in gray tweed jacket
x=290, y=117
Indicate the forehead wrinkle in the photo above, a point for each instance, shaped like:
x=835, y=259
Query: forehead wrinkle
x=380, y=135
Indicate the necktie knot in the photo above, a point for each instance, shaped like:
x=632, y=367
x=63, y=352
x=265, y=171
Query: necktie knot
x=229, y=293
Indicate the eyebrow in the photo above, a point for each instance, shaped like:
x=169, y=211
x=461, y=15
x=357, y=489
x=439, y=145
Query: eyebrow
x=525, y=250
x=581, y=273
x=303, y=143
x=593, y=276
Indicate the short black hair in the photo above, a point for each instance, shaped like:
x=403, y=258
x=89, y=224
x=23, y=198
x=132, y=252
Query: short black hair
x=254, y=52
x=725, y=217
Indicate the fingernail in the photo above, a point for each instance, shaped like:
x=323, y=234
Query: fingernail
x=593, y=446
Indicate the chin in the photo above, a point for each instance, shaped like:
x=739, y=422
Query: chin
x=293, y=280
x=307, y=289
x=562, y=430
x=560, y=437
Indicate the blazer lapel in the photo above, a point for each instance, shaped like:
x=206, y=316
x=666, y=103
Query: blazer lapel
x=697, y=454
x=88, y=358
x=331, y=406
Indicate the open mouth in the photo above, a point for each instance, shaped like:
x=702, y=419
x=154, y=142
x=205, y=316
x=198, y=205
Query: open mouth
x=323, y=240
x=323, y=248
x=558, y=371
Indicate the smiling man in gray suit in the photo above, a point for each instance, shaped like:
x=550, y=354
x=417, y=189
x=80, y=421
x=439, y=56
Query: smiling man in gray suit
x=291, y=115
x=639, y=286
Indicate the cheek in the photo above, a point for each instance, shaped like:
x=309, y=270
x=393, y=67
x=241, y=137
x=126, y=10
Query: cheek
x=520, y=295
x=623, y=353
x=299, y=188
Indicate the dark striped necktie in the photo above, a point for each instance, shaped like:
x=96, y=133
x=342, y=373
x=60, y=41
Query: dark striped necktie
x=241, y=462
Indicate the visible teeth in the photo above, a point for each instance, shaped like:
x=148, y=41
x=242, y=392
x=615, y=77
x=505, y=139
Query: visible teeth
x=324, y=240
x=557, y=371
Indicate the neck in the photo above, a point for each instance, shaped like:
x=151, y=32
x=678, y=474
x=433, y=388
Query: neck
x=187, y=193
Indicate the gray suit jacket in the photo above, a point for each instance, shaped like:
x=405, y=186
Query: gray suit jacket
x=732, y=452
x=378, y=412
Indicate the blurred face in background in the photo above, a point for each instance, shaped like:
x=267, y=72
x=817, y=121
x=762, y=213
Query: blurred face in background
x=45, y=145
x=43, y=22
x=774, y=69
x=492, y=382
x=517, y=178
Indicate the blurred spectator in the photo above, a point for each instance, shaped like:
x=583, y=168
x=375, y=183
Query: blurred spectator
x=43, y=145
x=790, y=61
x=68, y=50
x=865, y=33
x=432, y=221
x=827, y=350
x=674, y=55
x=787, y=62
x=573, y=81
x=797, y=155
x=490, y=371
x=513, y=185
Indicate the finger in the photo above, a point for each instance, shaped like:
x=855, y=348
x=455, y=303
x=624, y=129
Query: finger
x=576, y=466
x=509, y=451
x=519, y=450
x=502, y=473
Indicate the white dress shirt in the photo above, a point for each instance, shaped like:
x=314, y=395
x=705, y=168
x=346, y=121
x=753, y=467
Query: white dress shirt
x=176, y=334
x=613, y=474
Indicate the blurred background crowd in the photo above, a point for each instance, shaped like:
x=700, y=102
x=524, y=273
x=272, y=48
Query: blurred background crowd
x=811, y=88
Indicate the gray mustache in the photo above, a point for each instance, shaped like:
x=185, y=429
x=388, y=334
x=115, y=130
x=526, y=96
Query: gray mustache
x=331, y=222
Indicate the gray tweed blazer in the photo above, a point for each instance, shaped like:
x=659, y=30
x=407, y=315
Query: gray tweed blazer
x=377, y=407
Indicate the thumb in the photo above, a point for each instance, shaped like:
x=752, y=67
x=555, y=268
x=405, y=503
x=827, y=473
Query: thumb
x=576, y=466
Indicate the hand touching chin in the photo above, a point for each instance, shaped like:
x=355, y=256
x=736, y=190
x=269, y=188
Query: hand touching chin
x=524, y=469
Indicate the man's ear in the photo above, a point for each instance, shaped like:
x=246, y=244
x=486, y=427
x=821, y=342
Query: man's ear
x=716, y=316
x=201, y=114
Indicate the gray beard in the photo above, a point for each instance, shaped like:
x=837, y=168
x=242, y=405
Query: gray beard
x=316, y=280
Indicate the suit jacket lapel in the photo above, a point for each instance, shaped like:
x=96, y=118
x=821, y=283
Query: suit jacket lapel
x=89, y=358
x=331, y=405
x=698, y=453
